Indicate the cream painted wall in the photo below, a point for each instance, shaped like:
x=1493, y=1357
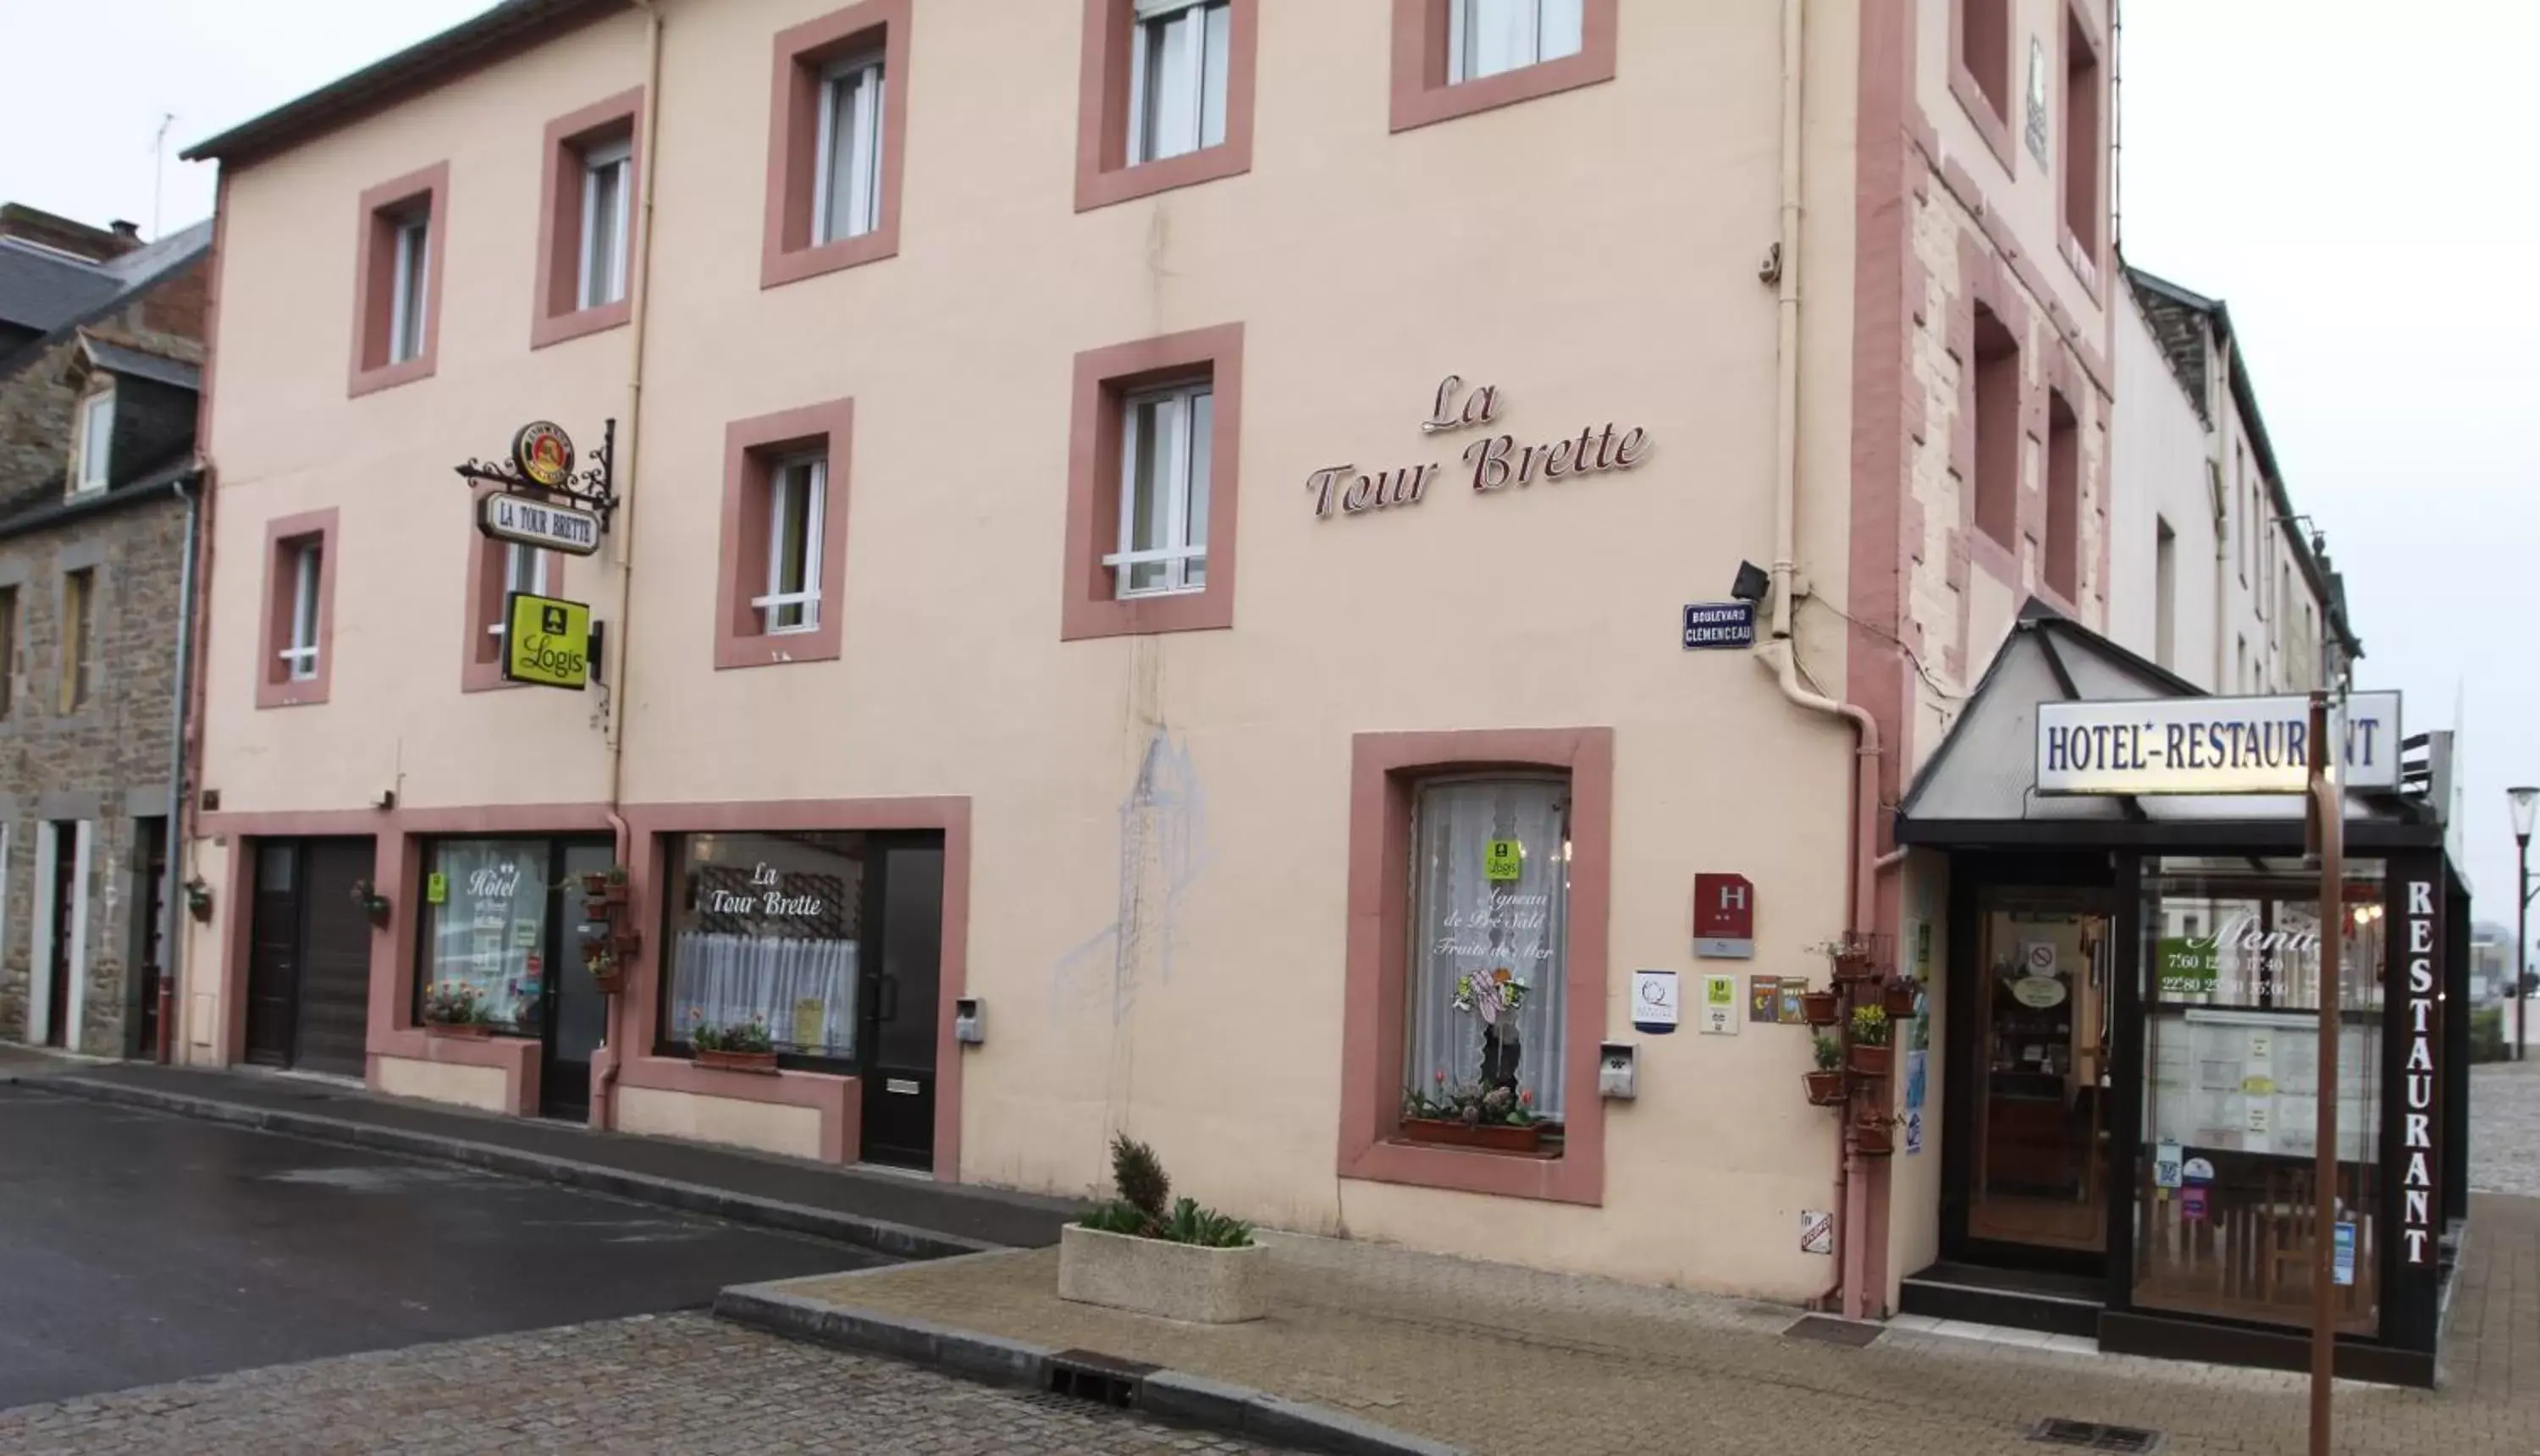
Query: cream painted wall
x=1592, y=254
x=769, y=1127
x=480, y=1087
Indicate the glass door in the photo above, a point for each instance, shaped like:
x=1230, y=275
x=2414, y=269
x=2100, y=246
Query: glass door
x=2038, y=1172
x=577, y=1013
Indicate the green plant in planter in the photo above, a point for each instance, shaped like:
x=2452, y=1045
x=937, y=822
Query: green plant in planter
x=1472, y=1104
x=1829, y=1052
x=1140, y=1211
x=739, y=1036
x=1870, y=1027
x=454, y=1003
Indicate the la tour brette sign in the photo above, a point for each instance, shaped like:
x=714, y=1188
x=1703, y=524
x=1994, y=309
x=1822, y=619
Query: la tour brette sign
x=1492, y=462
x=2207, y=746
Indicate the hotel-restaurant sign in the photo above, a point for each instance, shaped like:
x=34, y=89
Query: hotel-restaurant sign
x=1490, y=463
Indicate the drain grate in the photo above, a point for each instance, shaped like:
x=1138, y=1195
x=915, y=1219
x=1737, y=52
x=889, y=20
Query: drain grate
x=1850, y=1333
x=1091, y=1375
x=2091, y=1436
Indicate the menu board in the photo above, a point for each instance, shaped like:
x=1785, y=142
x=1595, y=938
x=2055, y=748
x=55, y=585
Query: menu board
x=2248, y=1081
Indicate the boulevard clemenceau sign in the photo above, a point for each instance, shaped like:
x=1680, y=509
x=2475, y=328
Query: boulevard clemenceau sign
x=1492, y=462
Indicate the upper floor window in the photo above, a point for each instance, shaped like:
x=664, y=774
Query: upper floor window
x=606, y=169
x=1487, y=37
x=525, y=569
x=837, y=142
x=1177, y=77
x=408, y=292
x=397, y=280
x=299, y=610
x=847, y=176
x=79, y=609
x=797, y=492
x=93, y=447
x=780, y=575
x=300, y=653
x=1165, y=447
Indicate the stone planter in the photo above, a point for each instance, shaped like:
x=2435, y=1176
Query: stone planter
x=1174, y=1282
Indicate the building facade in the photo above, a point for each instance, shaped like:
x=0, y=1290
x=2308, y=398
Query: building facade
x=100, y=355
x=934, y=741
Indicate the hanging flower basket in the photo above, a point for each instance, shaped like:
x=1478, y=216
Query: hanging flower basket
x=1855, y=964
x=1866, y=1061
x=759, y=1061
x=1899, y=997
x=1820, y=1007
x=1825, y=1089
x=1496, y=1136
x=611, y=980
x=1873, y=1138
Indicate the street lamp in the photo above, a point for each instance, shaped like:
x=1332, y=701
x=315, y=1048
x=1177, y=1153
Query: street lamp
x=2525, y=801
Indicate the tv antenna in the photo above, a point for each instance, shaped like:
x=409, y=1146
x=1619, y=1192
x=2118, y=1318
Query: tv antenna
x=159, y=168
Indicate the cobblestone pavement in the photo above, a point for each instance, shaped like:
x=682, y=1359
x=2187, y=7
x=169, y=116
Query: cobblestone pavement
x=683, y=1384
x=2505, y=1128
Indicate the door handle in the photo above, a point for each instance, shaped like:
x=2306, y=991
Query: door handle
x=888, y=1011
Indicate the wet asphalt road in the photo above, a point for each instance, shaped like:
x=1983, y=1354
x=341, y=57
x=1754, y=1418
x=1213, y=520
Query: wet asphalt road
x=137, y=1247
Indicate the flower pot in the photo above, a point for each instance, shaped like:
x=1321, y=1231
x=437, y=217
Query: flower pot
x=1820, y=1007
x=1869, y=1060
x=459, y=1030
x=1873, y=1138
x=1496, y=1136
x=1855, y=966
x=626, y=943
x=1176, y=1281
x=600, y=886
x=610, y=981
x=1899, y=998
x=598, y=910
x=759, y=1061
x=1825, y=1089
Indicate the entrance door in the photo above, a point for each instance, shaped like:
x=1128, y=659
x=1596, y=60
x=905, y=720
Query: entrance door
x=2038, y=1171
x=149, y=932
x=576, y=1013
x=65, y=900
x=308, y=957
x=905, y=898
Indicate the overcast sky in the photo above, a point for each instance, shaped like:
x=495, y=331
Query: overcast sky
x=2354, y=187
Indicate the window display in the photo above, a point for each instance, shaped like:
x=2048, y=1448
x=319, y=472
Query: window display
x=485, y=950
x=1490, y=917
x=764, y=934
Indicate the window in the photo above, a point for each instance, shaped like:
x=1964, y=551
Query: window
x=2164, y=629
x=525, y=569
x=79, y=606
x=8, y=650
x=1165, y=439
x=2082, y=103
x=413, y=242
x=1485, y=37
x=767, y=928
x=780, y=577
x=496, y=570
x=300, y=656
x=797, y=491
x=837, y=128
x=1177, y=75
x=299, y=610
x=485, y=941
x=847, y=176
x=1488, y=989
x=92, y=450
x=1997, y=429
x=397, y=280
x=1980, y=70
x=605, y=171
x=2063, y=567
x=1151, y=486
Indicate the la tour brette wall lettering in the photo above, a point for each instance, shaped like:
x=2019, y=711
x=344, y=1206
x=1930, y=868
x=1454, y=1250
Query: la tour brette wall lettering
x=1493, y=463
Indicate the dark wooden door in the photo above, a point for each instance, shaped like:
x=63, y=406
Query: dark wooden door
x=902, y=996
x=332, y=1031
x=576, y=1013
x=65, y=892
x=273, y=952
x=149, y=935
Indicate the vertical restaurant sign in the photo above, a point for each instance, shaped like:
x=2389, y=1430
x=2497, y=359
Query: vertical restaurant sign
x=2207, y=746
x=1492, y=462
x=2416, y=1140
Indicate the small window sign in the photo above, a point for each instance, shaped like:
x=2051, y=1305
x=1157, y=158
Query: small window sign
x=1503, y=861
x=436, y=889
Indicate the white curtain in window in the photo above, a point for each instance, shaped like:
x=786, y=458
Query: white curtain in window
x=490, y=930
x=795, y=984
x=1463, y=922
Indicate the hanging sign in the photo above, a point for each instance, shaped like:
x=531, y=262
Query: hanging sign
x=1724, y=917
x=1655, y=1007
x=543, y=453
x=1503, y=860
x=509, y=517
x=2207, y=746
x=546, y=641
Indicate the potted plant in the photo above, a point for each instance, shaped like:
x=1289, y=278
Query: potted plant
x=600, y=958
x=457, y=1009
x=1854, y=958
x=1179, y=1261
x=603, y=890
x=1873, y=1135
x=1820, y=1007
x=743, y=1046
x=1898, y=997
x=1825, y=1084
x=199, y=899
x=372, y=903
x=1471, y=1115
x=1871, y=1056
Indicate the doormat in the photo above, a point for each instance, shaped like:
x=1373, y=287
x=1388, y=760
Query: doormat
x=1826, y=1330
x=2090, y=1435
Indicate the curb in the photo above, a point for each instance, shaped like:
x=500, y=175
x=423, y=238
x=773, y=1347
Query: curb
x=898, y=1240
x=1167, y=1395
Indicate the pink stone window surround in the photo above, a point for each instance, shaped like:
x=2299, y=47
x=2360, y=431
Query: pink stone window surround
x=488, y=584
x=558, y=312
x=1423, y=93
x=285, y=539
x=2080, y=216
x=1997, y=428
x=802, y=56
x=1090, y=604
x=1385, y=771
x=376, y=276
x=1980, y=71
x=2062, y=567
x=753, y=450
x=1104, y=174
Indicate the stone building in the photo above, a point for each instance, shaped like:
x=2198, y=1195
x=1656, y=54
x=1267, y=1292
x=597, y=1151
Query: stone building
x=101, y=365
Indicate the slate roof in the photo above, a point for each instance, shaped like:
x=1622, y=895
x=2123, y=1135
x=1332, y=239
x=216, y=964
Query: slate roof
x=44, y=290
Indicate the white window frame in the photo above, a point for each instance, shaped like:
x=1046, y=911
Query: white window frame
x=603, y=281
x=1154, y=23
x=299, y=656
x=537, y=585
x=806, y=603
x=93, y=441
x=408, y=304
x=1463, y=58
x=856, y=85
x=1174, y=468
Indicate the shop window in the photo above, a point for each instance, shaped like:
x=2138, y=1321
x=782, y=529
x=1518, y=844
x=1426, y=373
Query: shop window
x=79, y=613
x=1489, y=986
x=299, y=610
x=836, y=142
x=1151, y=486
x=397, y=280
x=2063, y=566
x=93, y=444
x=765, y=931
x=1166, y=96
x=1455, y=57
x=2232, y=1088
x=1997, y=430
x=485, y=934
x=586, y=225
x=781, y=569
x=2081, y=103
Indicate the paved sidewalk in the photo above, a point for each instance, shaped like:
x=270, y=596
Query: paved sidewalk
x=2504, y=1127
x=910, y=1217
x=1495, y=1359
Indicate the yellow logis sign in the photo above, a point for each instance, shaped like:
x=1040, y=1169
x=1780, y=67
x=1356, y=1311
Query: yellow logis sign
x=546, y=641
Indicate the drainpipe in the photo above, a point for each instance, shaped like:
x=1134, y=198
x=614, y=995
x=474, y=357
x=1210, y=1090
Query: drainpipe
x=611, y=1057
x=171, y=936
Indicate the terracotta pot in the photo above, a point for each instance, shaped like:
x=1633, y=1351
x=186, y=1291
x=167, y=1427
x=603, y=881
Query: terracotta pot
x=1873, y=1139
x=1497, y=1136
x=1869, y=1060
x=459, y=1030
x=1856, y=967
x=600, y=886
x=598, y=910
x=760, y=1062
x=610, y=981
x=1899, y=998
x=626, y=943
x=1825, y=1089
x=1820, y=1007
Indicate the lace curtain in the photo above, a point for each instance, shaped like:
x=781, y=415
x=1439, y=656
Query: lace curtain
x=804, y=989
x=1463, y=922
